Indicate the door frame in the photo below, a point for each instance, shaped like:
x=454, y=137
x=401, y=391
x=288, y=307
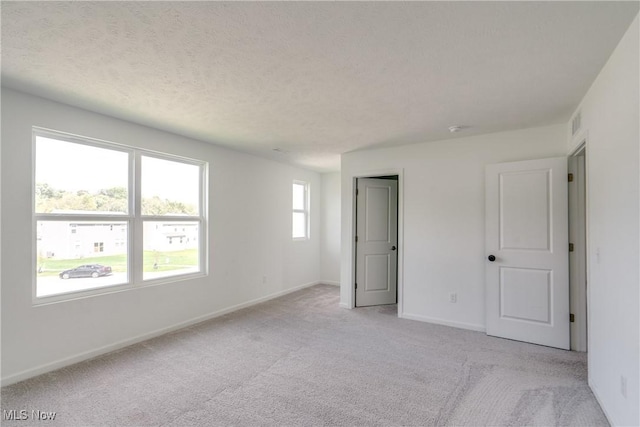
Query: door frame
x=581, y=342
x=349, y=246
x=383, y=181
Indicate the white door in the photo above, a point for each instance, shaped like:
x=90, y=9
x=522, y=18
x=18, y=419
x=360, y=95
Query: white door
x=527, y=273
x=376, y=241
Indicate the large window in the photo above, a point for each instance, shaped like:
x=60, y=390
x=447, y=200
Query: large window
x=300, y=218
x=109, y=215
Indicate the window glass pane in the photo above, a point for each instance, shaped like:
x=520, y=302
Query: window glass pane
x=299, y=225
x=298, y=196
x=76, y=178
x=169, y=188
x=171, y=248
x=78, y=255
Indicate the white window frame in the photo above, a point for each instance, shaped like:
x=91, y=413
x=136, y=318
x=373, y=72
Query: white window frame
x=305, y=211
x=133, y=218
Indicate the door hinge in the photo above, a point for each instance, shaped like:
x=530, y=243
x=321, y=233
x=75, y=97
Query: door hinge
x=570, y=247
x=356, y=239
x=572, y=318
x=356, y=191
x=356, y=286
x=570, y=176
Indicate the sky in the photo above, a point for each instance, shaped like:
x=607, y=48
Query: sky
x=72, y=167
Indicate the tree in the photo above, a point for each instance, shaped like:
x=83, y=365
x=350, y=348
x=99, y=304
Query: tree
x=114, y=193
x=45, y=191
x=114, y=199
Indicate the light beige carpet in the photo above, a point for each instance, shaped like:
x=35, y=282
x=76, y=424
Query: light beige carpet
x=302, y=361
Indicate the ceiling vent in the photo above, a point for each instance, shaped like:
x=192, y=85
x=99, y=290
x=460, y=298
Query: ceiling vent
x=576, y=123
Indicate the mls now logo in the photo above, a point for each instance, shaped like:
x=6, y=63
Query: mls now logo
x=23, y=414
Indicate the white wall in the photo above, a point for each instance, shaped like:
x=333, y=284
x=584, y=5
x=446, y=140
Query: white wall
x=442, y=212
x=610, y=123
x=330, y=229
x=249, y=237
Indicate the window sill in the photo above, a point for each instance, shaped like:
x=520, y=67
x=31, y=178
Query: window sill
x=106, y=290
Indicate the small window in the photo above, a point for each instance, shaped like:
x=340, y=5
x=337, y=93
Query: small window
x=300, y=217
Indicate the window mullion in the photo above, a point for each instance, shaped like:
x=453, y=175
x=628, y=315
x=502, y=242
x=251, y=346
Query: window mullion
x=203, y=244
x=136, y=255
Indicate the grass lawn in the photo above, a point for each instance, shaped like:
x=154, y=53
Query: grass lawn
x=166, y=261
x=170, y=260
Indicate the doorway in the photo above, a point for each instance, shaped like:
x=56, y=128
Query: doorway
x=578, y=248
x=376, y=241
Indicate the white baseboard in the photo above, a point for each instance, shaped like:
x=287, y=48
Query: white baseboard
x=90, y=354
x=596, y=393
x=426, y=319
x=345, y=305
x=330, y=282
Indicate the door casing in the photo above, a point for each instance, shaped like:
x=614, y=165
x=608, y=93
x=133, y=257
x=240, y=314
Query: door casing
x=578, y=235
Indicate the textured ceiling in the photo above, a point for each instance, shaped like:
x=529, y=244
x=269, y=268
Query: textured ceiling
x=313, y=79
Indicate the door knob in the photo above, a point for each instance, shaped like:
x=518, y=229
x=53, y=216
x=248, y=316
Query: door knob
x=393, y=248
x=492, y=258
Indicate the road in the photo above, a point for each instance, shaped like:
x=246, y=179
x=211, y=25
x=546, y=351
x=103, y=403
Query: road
x=53, y=285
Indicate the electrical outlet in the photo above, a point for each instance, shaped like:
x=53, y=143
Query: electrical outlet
x=623, y=386
x=453, y=297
